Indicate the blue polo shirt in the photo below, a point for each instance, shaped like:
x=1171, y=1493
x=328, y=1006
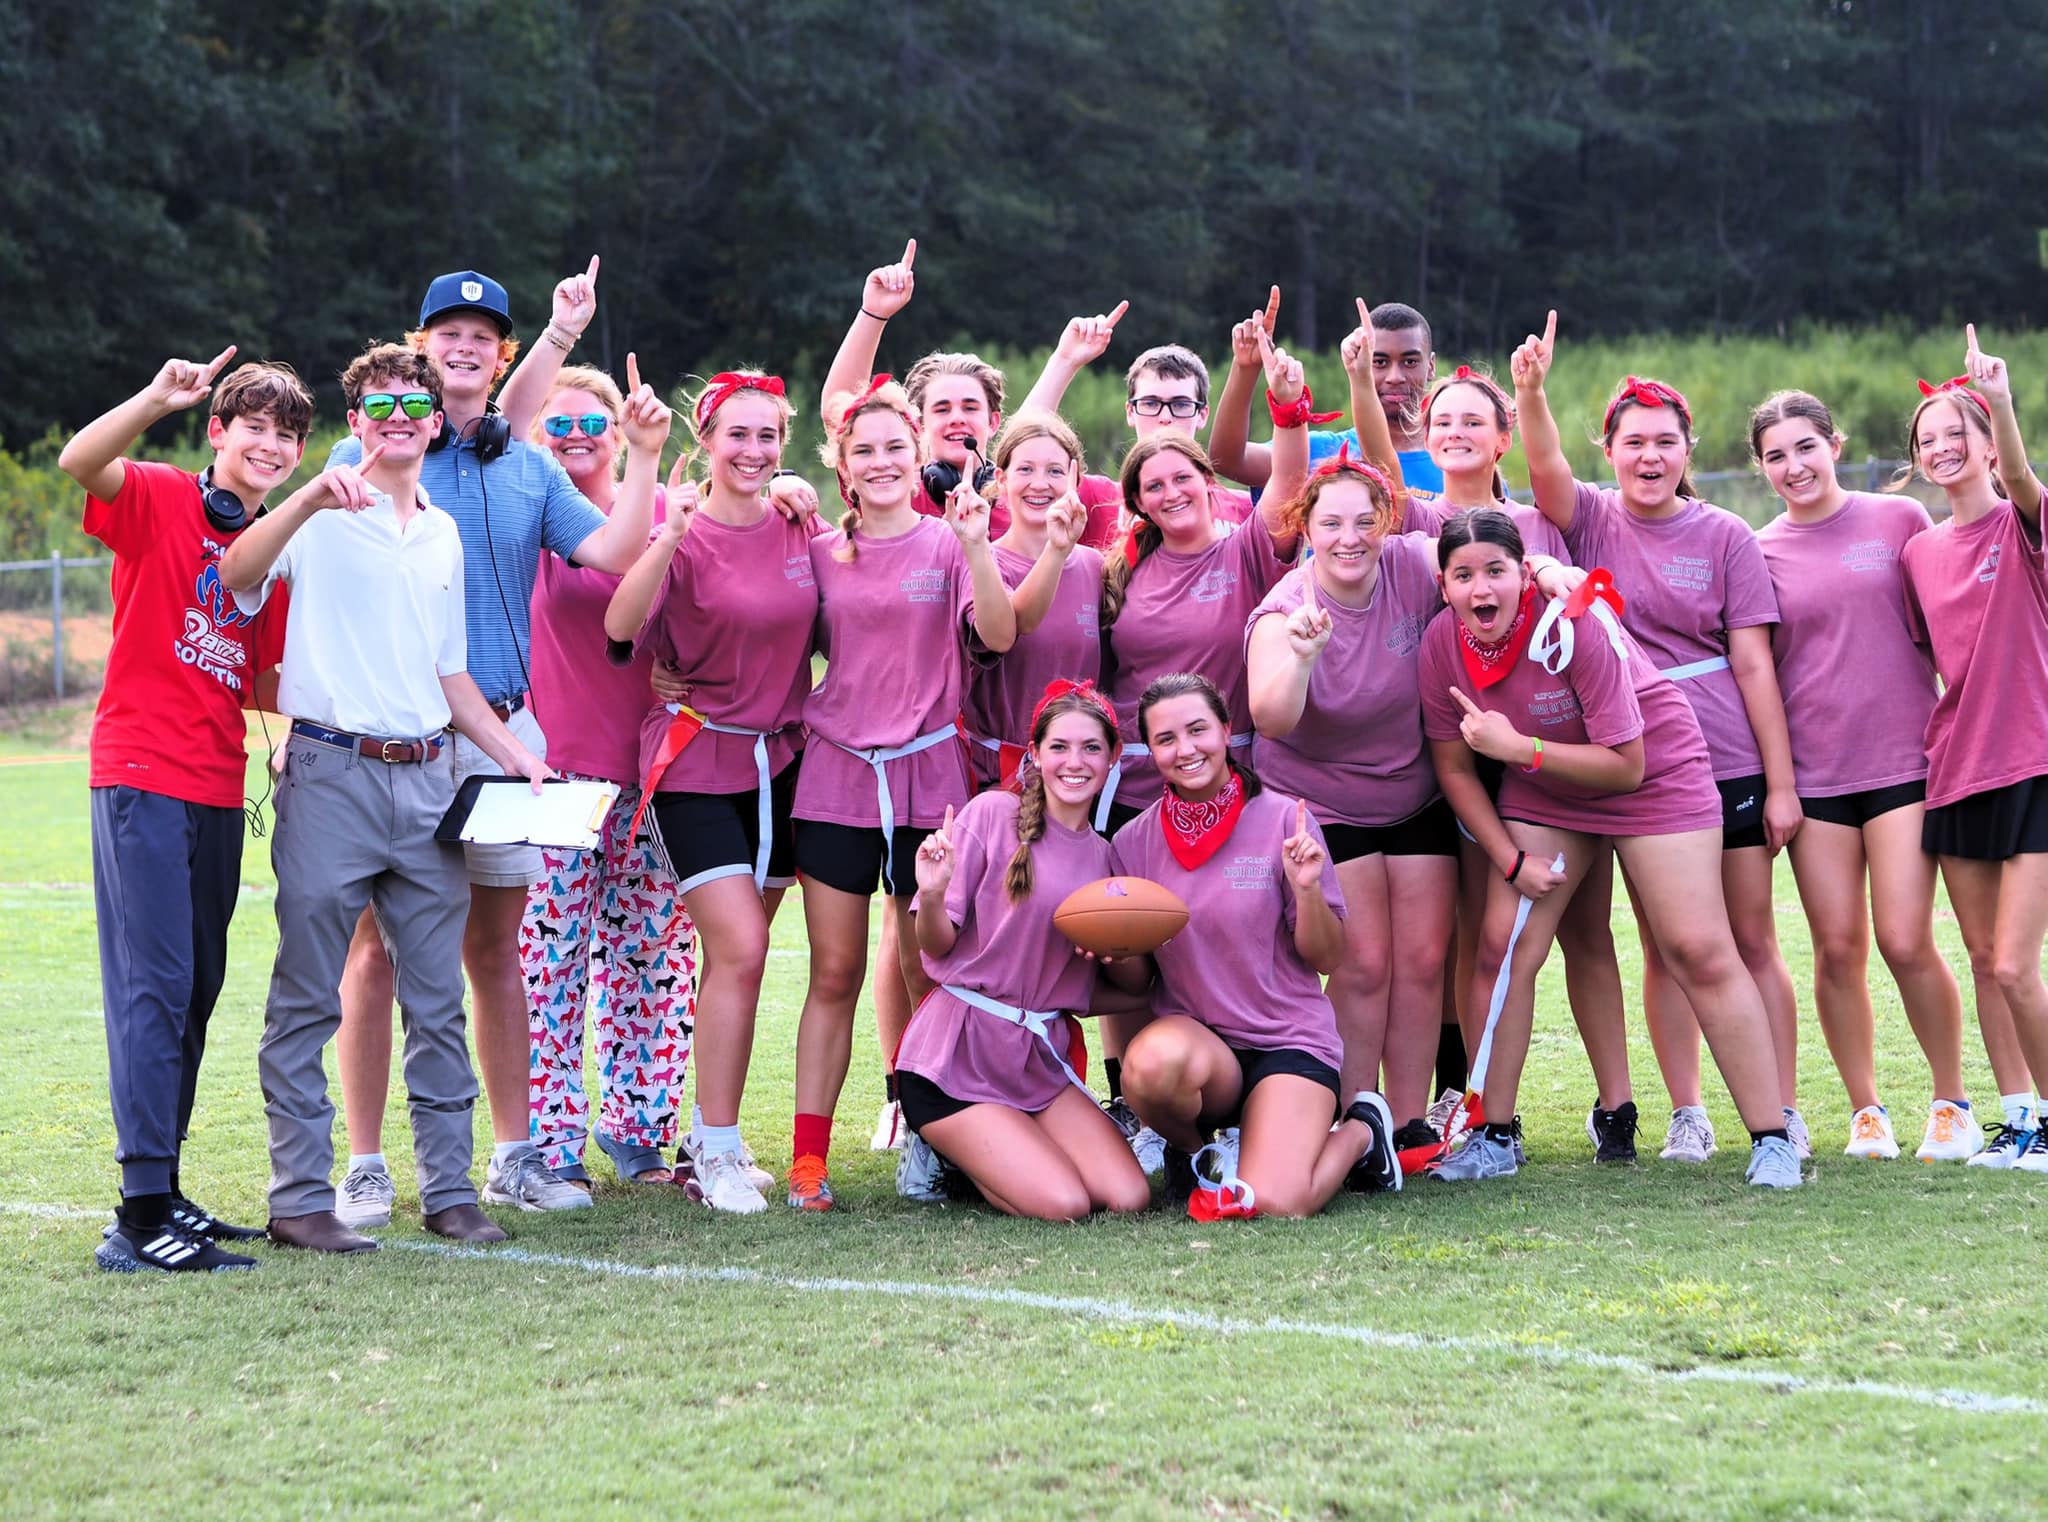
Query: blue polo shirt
x=1417, y=468
x=532, y=507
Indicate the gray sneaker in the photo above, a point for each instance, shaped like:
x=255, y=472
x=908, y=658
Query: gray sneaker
x=919, y=1172
x=523, y=1179
x=692, y=1153
x=1482, y=1156
x=365, y=1199
x=1691, y=1137
x=1773, y=1165
x=725, y=1184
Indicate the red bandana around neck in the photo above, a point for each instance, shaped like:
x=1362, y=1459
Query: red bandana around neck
x=1486, y=664
x=1197, y=831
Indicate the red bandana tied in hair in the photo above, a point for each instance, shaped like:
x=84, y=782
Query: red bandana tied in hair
x=1646, y=393
x=725, y=383
x=1486, y=664
x=1197, y=831
x=1341, y=461
x=1960, y=386
x=874, y=387
x=1060, y=687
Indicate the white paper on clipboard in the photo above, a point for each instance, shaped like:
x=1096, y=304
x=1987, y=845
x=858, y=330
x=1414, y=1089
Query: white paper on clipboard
x=567, y=813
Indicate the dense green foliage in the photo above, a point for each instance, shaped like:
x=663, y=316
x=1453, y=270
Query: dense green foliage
x=288, y=176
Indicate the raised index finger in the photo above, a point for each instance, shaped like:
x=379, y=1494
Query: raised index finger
x=218, y=360
x=1301, y=816
x=909, y=253
x=1117, y=315
x=947, y=827
x=591, y=273
x=1970, y=340
x=1272, y=308
x=1466, y=703
x=632, y=369
x=1550, y=328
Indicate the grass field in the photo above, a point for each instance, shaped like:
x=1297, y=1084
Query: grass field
x=1648, y=1342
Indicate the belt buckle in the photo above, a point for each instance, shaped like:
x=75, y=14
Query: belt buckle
x=385, y=755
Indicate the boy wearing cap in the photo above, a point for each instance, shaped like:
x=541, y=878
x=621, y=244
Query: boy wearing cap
x=375, y=669
x=168, y=763
x=511, y=502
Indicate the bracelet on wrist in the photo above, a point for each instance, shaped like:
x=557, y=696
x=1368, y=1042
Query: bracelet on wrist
x=877, y=316
x=1516, y=870
x=1536, y=760
x=561, y=340
x=1298, y=413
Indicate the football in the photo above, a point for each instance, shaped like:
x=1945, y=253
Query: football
x=1120, y=917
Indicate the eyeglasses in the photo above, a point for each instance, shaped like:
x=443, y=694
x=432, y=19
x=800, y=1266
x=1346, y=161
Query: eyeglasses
x=1152, y=406
x=560, y=425
x=379, y=405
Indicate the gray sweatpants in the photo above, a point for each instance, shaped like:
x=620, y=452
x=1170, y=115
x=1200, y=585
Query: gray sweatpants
x=352, y=831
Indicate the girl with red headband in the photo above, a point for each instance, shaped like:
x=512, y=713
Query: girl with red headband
x=1835, y=564
x=1245, y=1047
x=1977, y=593
x=726, y=592
x=609, y=917
x=897, y=594
x=1059, y=630
x=1699, y=601
x=1469, y=426
x=1597, y=745
x=983, y=1072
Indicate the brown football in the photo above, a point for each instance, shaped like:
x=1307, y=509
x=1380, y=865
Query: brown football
x=1120, y=917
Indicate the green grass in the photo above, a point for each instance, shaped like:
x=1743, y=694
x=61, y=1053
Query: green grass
x=525, y=1386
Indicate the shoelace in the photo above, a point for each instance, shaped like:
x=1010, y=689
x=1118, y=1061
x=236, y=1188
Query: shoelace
x=1690, y=1127
x=1869, y=1126
x=1944, y=1122
x=807, y=1175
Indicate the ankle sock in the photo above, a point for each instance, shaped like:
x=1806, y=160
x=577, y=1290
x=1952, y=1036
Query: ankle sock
x=718, y=1141
x=813, y=1136
x=1500, y=1132
x=2019, y=1110
x=504, y=1151
x=1776, y=1131
x=697, y=1124
x=1113, y=1075
x=372, y=1162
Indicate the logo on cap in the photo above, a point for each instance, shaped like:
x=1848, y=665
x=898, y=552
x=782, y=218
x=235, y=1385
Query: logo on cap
x=472, y=290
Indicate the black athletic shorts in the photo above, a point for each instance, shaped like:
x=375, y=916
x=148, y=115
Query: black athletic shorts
x=1742, y=812
x=1120, y=814
x=1991, y=826
x=1857, y=809
x=1431, y=830
x=712, y=835
x=849, y=856
x=1258, y=1066
x=924, y=1101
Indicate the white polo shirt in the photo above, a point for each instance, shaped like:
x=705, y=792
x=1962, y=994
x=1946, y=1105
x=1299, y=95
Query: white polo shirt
x=374, y=622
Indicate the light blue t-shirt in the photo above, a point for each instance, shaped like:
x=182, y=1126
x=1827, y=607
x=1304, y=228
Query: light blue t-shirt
x=532, y=507
x=1417, y=468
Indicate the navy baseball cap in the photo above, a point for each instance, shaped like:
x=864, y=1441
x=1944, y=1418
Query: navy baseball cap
x=466, y=291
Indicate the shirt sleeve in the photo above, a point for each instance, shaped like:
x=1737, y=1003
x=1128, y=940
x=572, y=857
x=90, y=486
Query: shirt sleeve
x=1587, y=536
x=281, y=572
x=453, y=656
x=1604, y=684
x=1257, y=555
x=1440, y=713
x=970, y=841
x=1424, y=515
x=567, y=517
x=347, y=450
x=1750, y=598
x=123, y=524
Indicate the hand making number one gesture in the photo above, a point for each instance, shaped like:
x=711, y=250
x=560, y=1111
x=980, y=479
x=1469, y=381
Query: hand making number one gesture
x=1087, y=338
x=1309, y=626
x=935, y=858
x=1531, y=362
x=575, y=302
x=183, y=383
x=1987, y=372
x=1304, y=852
x=888, y=289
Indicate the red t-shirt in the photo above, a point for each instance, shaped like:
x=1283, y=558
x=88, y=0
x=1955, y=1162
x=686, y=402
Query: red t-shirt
x=184, y=656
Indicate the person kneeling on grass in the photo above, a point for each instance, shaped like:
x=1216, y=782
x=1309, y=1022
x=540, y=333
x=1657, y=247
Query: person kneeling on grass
x=1254, y=1045
x=983, y=1073
x=375, y=668
x=1602, y=745
x=168, y=759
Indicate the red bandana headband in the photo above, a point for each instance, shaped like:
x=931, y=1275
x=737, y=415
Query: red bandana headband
x=1646, y=393
x=1060, y=687
x=1341, y=463
x=725, y=385
x=1486, y=383
x=874, y=389
x=1960, y=386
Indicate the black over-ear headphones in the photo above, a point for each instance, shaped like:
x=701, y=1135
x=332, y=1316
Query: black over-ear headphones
x=493, y=435
x=224, y=510
x=940, y=478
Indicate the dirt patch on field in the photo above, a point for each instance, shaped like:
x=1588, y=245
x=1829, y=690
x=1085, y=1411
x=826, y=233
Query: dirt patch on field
x=27, y=674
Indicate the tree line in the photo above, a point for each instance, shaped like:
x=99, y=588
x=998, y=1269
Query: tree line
x=289, y=176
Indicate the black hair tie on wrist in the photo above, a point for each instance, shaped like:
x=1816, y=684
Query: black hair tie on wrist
x=1516, y=870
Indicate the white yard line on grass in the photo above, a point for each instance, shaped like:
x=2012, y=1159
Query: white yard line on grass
x=1092, y=1309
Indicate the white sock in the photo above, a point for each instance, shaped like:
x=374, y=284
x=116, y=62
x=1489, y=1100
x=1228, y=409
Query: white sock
x=369, y=1162
x=697, y=1125
x=2019, y=1110
x=719, y=1141
x=505, y=1151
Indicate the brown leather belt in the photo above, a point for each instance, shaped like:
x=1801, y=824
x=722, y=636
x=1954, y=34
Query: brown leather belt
x=391, y=752
x=509, y=707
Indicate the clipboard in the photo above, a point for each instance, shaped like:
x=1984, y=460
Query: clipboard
x=567, y=813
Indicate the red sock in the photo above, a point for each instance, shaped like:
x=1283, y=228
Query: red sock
x=813, y=1136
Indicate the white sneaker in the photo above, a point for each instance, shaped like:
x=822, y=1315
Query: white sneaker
x=1796, y=1133
x=1149, y=1148
x=1691, y=1137
x=724, y=1184
x=692, y=1149
x=1439, y=1114
x=1953, y=1135
x=889, y=1129
x=365, y=1199
x=1870, y=1134
x=524, y=1179
x=2003, y=1147
x=2033, y=1157
x=1773, y=1165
